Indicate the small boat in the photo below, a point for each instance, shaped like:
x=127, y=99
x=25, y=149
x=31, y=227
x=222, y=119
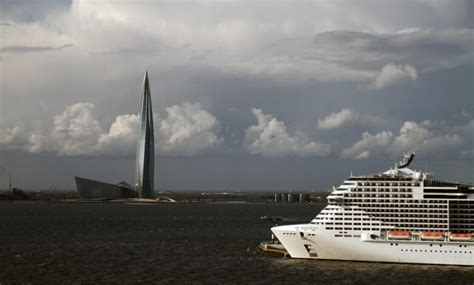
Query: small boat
x=399, y=235
x=432, y=236
x=461, y=236
x=272, y=247
x=271, y=218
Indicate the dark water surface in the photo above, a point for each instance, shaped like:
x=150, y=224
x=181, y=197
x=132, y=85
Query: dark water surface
x=175, y=243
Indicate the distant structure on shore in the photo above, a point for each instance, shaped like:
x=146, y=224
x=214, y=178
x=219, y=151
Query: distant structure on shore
x=145, y=162
x=290, y=197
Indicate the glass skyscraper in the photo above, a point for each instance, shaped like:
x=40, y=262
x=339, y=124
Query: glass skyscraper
x=145, y=167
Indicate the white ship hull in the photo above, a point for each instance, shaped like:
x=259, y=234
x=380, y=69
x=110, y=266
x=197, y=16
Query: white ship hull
x=309, y=241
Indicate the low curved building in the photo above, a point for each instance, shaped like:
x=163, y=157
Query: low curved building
x=91, y=189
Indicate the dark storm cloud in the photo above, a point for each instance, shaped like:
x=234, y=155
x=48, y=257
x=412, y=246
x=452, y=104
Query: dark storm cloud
x=427, y=50
x=324, y=72
x=31, y=11
x=20, y=49
x=430, y=49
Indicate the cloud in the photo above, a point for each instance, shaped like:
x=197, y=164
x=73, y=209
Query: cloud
x=186, y=130
x=392, y=74
x=13, y=138
x=367, y=145
x=74, y=132
x=336, y=120
x=352, y=56
x=269, y=138
x=347, y=117
x=427, y=49
x=31, y=11
x=467, y=154
x=25, y=49
x=121, y=137
x=364, y=155
x=280, y=46
x=282, y=56
x=425, y=138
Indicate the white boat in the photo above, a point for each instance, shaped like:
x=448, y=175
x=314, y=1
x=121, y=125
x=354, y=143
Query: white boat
x=390, y=217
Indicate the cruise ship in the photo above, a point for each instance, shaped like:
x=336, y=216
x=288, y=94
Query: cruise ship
x=400, y=216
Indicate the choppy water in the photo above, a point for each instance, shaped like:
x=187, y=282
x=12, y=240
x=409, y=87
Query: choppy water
x=175, y=243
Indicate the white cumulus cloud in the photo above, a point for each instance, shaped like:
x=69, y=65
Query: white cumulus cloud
x=122, y=135
x=13, y=138
x=368, y=144
x=346, y=117
x=186, y=130
x=425, y=138
x=364, y=155
x=392, y=74
x=336, y=120
x=270, y=138
x=74, y=132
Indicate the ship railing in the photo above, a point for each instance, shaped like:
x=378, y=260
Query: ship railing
x=418, y=237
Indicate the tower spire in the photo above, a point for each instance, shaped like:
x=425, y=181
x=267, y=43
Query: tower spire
x=145, y=164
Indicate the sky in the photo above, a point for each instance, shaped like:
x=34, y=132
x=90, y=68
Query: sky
x=247, y=95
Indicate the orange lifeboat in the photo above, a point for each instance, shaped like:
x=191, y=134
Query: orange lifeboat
x=461, y=236
x=431, y=236
x=399, y=235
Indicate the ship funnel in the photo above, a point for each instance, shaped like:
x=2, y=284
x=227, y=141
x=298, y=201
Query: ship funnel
x=407, y=159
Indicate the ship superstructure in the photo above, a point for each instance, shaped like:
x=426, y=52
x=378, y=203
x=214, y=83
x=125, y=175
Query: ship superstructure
x=400, y=215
